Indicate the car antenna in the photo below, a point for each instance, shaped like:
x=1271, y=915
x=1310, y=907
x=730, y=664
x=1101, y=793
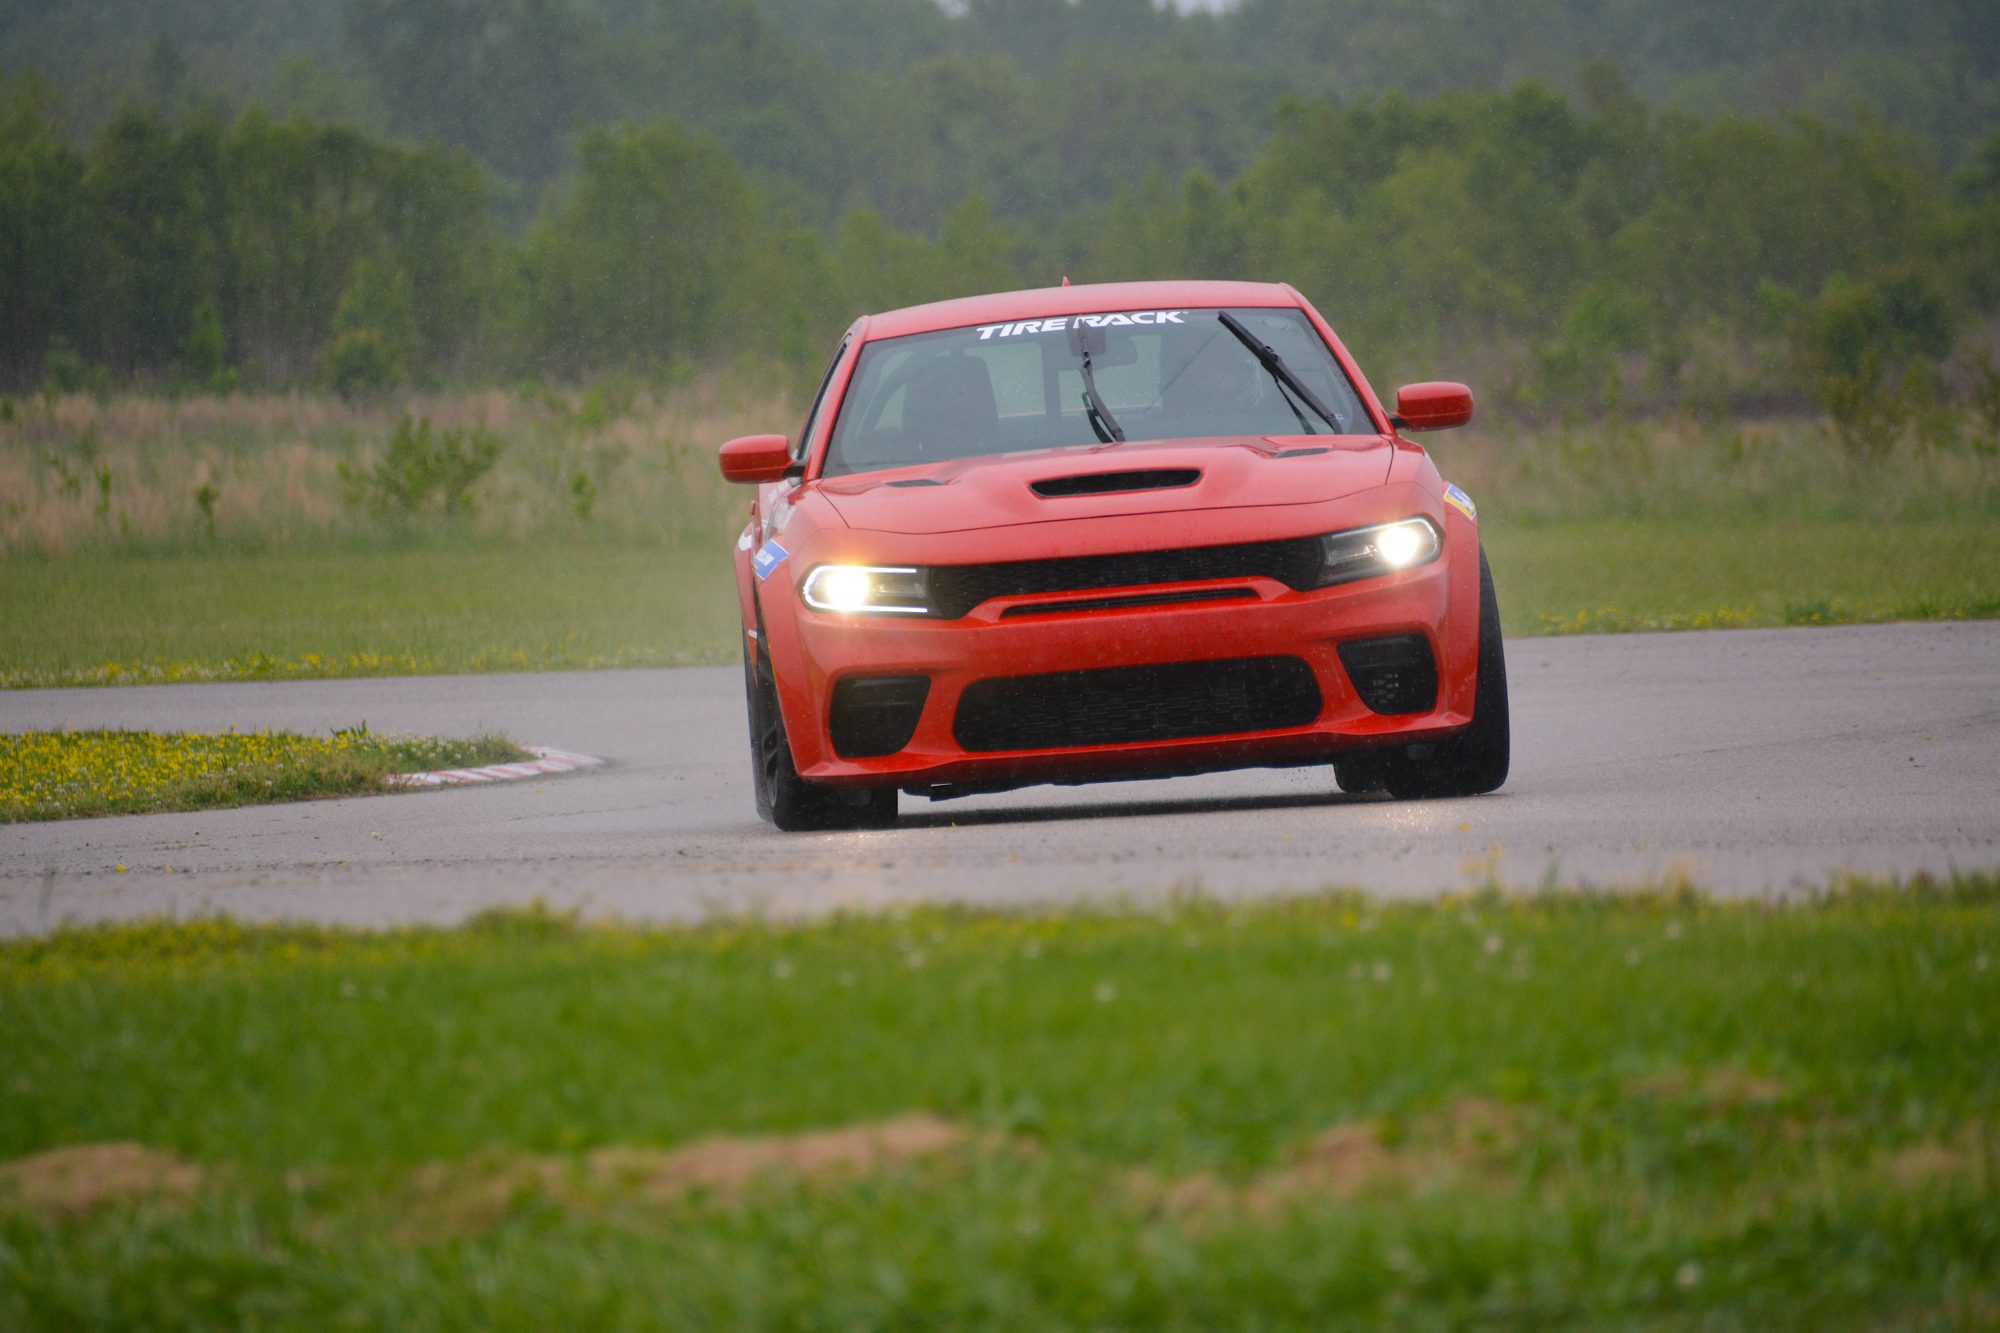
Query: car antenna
x=1065, y=279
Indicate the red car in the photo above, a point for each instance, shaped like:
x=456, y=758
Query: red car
x=1117, y=531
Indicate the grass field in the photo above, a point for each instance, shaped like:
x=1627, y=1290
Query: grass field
x=196, y=615
x=151, y=539
x=1558, y=1112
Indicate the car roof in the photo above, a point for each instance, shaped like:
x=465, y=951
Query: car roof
x=1089, y=298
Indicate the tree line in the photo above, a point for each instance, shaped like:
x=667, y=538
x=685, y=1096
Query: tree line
x=905, y=106
x=1579, y=250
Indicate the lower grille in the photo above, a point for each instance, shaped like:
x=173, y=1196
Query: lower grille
x=876, y=715
x=957, y=589
x=1126, y=705
x=1392, y=675
x=1126, y=601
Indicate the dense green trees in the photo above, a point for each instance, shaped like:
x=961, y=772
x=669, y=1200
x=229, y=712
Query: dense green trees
x=504, y=79
x=652, y=257
x=166, y=249
x=1573, y=252
x=1615, y=247
x=862, y=103
x=43, y=276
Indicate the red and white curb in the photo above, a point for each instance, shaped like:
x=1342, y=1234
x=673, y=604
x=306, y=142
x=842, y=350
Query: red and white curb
x=545, y=762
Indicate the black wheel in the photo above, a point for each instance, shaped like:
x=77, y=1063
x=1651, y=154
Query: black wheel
x=785, y=798
x=1475, y=760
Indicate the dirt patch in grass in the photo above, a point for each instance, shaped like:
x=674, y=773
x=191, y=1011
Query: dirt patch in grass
x=76, y=1181
x=449, y=1199
x=728, y=1166
x=1968, y=1157
x=1345, y=1161
x=1724, y=1088
x=1466, y=1142
x=1479, y=1144
x=1473, y=1130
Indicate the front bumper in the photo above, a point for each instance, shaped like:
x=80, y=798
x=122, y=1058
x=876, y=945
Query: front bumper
x=813, y=652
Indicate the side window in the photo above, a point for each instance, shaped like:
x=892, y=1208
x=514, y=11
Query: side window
x=804, y=443
x=882, y=407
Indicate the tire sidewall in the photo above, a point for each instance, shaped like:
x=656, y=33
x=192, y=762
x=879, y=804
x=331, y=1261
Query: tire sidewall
x=1476, y=760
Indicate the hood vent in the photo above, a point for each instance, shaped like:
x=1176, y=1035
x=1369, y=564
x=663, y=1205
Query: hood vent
x=1109, y=483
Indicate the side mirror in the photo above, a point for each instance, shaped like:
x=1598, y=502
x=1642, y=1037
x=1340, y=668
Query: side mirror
x=1436, y=405
x=756, y=458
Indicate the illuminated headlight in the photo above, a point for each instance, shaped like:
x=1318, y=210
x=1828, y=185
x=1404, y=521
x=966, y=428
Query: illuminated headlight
x=1361, y=553
x=867, y=590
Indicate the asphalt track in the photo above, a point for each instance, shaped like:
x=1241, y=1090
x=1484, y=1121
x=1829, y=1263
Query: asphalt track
x=1748, y=761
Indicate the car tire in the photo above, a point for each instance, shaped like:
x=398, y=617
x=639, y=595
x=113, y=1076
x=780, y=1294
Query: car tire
x=1474, y=761
x=783, y=797
x=1363, y=771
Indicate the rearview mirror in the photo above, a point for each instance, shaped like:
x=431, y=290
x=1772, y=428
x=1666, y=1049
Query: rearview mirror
x=1433, y=405
x=1105, y=347
x=756, y=458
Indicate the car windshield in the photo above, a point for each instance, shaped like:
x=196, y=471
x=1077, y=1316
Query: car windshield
x=1159, y=374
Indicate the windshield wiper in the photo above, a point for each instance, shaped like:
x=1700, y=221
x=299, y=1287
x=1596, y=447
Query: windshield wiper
x=1083, y=342
x=1093, y=404
x=1305, y=427
x=1286, y=377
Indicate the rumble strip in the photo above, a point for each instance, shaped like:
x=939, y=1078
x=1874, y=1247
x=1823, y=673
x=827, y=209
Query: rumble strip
x=546, y=761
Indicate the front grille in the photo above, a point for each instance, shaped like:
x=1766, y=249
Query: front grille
x=957, y=589
x=1392, y=675
x=1126, y=705
x=876, y=715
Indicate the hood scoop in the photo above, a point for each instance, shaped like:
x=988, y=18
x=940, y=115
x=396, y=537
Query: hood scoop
x=1114, y=483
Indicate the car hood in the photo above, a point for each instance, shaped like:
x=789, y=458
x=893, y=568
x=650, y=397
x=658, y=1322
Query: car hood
x=1109, y=481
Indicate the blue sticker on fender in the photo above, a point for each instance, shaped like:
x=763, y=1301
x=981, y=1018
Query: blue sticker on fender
x=769, y=556
x=1454, y=496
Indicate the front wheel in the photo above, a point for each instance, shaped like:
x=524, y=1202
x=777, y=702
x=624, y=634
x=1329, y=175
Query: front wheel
x=1474, y=761
x=785, y=798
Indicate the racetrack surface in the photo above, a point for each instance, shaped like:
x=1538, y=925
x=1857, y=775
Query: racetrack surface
x=1748, y=761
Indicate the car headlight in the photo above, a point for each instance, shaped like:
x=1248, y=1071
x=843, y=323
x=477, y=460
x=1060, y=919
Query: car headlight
x=867, y=590
x=1361, y=553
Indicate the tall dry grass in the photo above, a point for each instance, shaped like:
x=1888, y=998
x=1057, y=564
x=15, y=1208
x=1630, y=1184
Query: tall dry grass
x=138, y=472
x=1675, y=467
x=637, y=463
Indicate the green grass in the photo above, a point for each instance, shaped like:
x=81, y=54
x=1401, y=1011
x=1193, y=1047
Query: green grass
x=1580, y=1112
x=72, y=774
x=98, y=618
x=1634, y=574
x=105, y=619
